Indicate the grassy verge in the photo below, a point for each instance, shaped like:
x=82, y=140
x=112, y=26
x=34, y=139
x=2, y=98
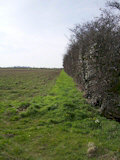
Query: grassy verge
x=58, y=126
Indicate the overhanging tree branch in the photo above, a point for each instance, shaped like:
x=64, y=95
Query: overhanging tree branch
x=114, y=4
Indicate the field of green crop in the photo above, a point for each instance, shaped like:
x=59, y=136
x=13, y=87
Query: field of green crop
x=43, y=116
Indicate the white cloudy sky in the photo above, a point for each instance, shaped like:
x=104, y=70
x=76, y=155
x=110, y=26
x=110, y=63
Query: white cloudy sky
x=33, y=32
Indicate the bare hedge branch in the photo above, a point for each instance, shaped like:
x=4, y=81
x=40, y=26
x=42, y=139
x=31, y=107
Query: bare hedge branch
x=114, y=4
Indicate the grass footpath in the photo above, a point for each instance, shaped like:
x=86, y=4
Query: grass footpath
x=57, y=126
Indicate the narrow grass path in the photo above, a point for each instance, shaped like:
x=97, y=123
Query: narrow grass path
x=59, y=126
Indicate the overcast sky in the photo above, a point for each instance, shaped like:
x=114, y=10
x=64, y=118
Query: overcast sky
x=33, y=32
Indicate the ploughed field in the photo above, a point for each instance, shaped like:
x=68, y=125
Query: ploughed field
x=43, y=116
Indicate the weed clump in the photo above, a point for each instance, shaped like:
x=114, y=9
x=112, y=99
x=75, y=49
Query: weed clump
x=23, y=106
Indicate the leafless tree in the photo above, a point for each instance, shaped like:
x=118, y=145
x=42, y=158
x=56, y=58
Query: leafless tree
x=114, y=4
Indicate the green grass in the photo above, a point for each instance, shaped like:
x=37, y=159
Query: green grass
x=56, y=123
